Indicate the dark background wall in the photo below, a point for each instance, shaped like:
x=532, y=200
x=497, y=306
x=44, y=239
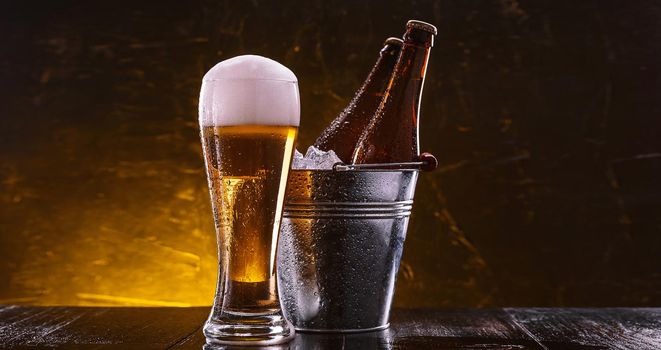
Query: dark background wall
x=544, y=116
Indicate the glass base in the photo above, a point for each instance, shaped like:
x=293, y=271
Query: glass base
x=248, y=329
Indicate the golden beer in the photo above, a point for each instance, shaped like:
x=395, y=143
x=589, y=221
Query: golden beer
x=247, y=167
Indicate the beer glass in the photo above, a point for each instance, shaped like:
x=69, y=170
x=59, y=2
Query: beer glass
x=249, y=123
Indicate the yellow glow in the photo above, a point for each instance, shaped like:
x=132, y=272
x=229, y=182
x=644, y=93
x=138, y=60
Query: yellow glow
x=148, y=241
x=95, y=299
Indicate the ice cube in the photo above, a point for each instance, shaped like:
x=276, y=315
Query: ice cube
x=297, y=154
x=315, y=159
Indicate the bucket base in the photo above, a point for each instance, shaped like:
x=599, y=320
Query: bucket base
x=359, y=330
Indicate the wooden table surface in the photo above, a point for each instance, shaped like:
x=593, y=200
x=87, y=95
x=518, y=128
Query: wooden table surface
x=510, y=328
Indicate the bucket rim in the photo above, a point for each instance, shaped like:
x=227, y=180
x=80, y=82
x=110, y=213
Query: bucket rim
x=332, y=171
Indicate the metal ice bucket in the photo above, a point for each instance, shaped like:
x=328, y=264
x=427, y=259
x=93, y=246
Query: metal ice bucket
x=341, y=241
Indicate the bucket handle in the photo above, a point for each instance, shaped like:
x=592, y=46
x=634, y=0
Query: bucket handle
x=426, y=162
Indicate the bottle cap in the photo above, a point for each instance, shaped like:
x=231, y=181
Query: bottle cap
x=422, y=26
x=394, y=41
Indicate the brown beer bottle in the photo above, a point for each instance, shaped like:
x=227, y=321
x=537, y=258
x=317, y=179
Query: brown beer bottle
x=345, y=130
x=392, y=135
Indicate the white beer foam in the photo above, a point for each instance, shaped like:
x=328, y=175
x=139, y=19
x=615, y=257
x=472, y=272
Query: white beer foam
x=247, y=90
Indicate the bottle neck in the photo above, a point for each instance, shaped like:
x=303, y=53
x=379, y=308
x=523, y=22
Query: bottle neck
x=386, y=62
x=379, y=77
x=405, y=89
x=396, y=129
x=412, y=63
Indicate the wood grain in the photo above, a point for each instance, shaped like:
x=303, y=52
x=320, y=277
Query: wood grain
x=612, y=328
x=181, y=328
x=145, y=328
